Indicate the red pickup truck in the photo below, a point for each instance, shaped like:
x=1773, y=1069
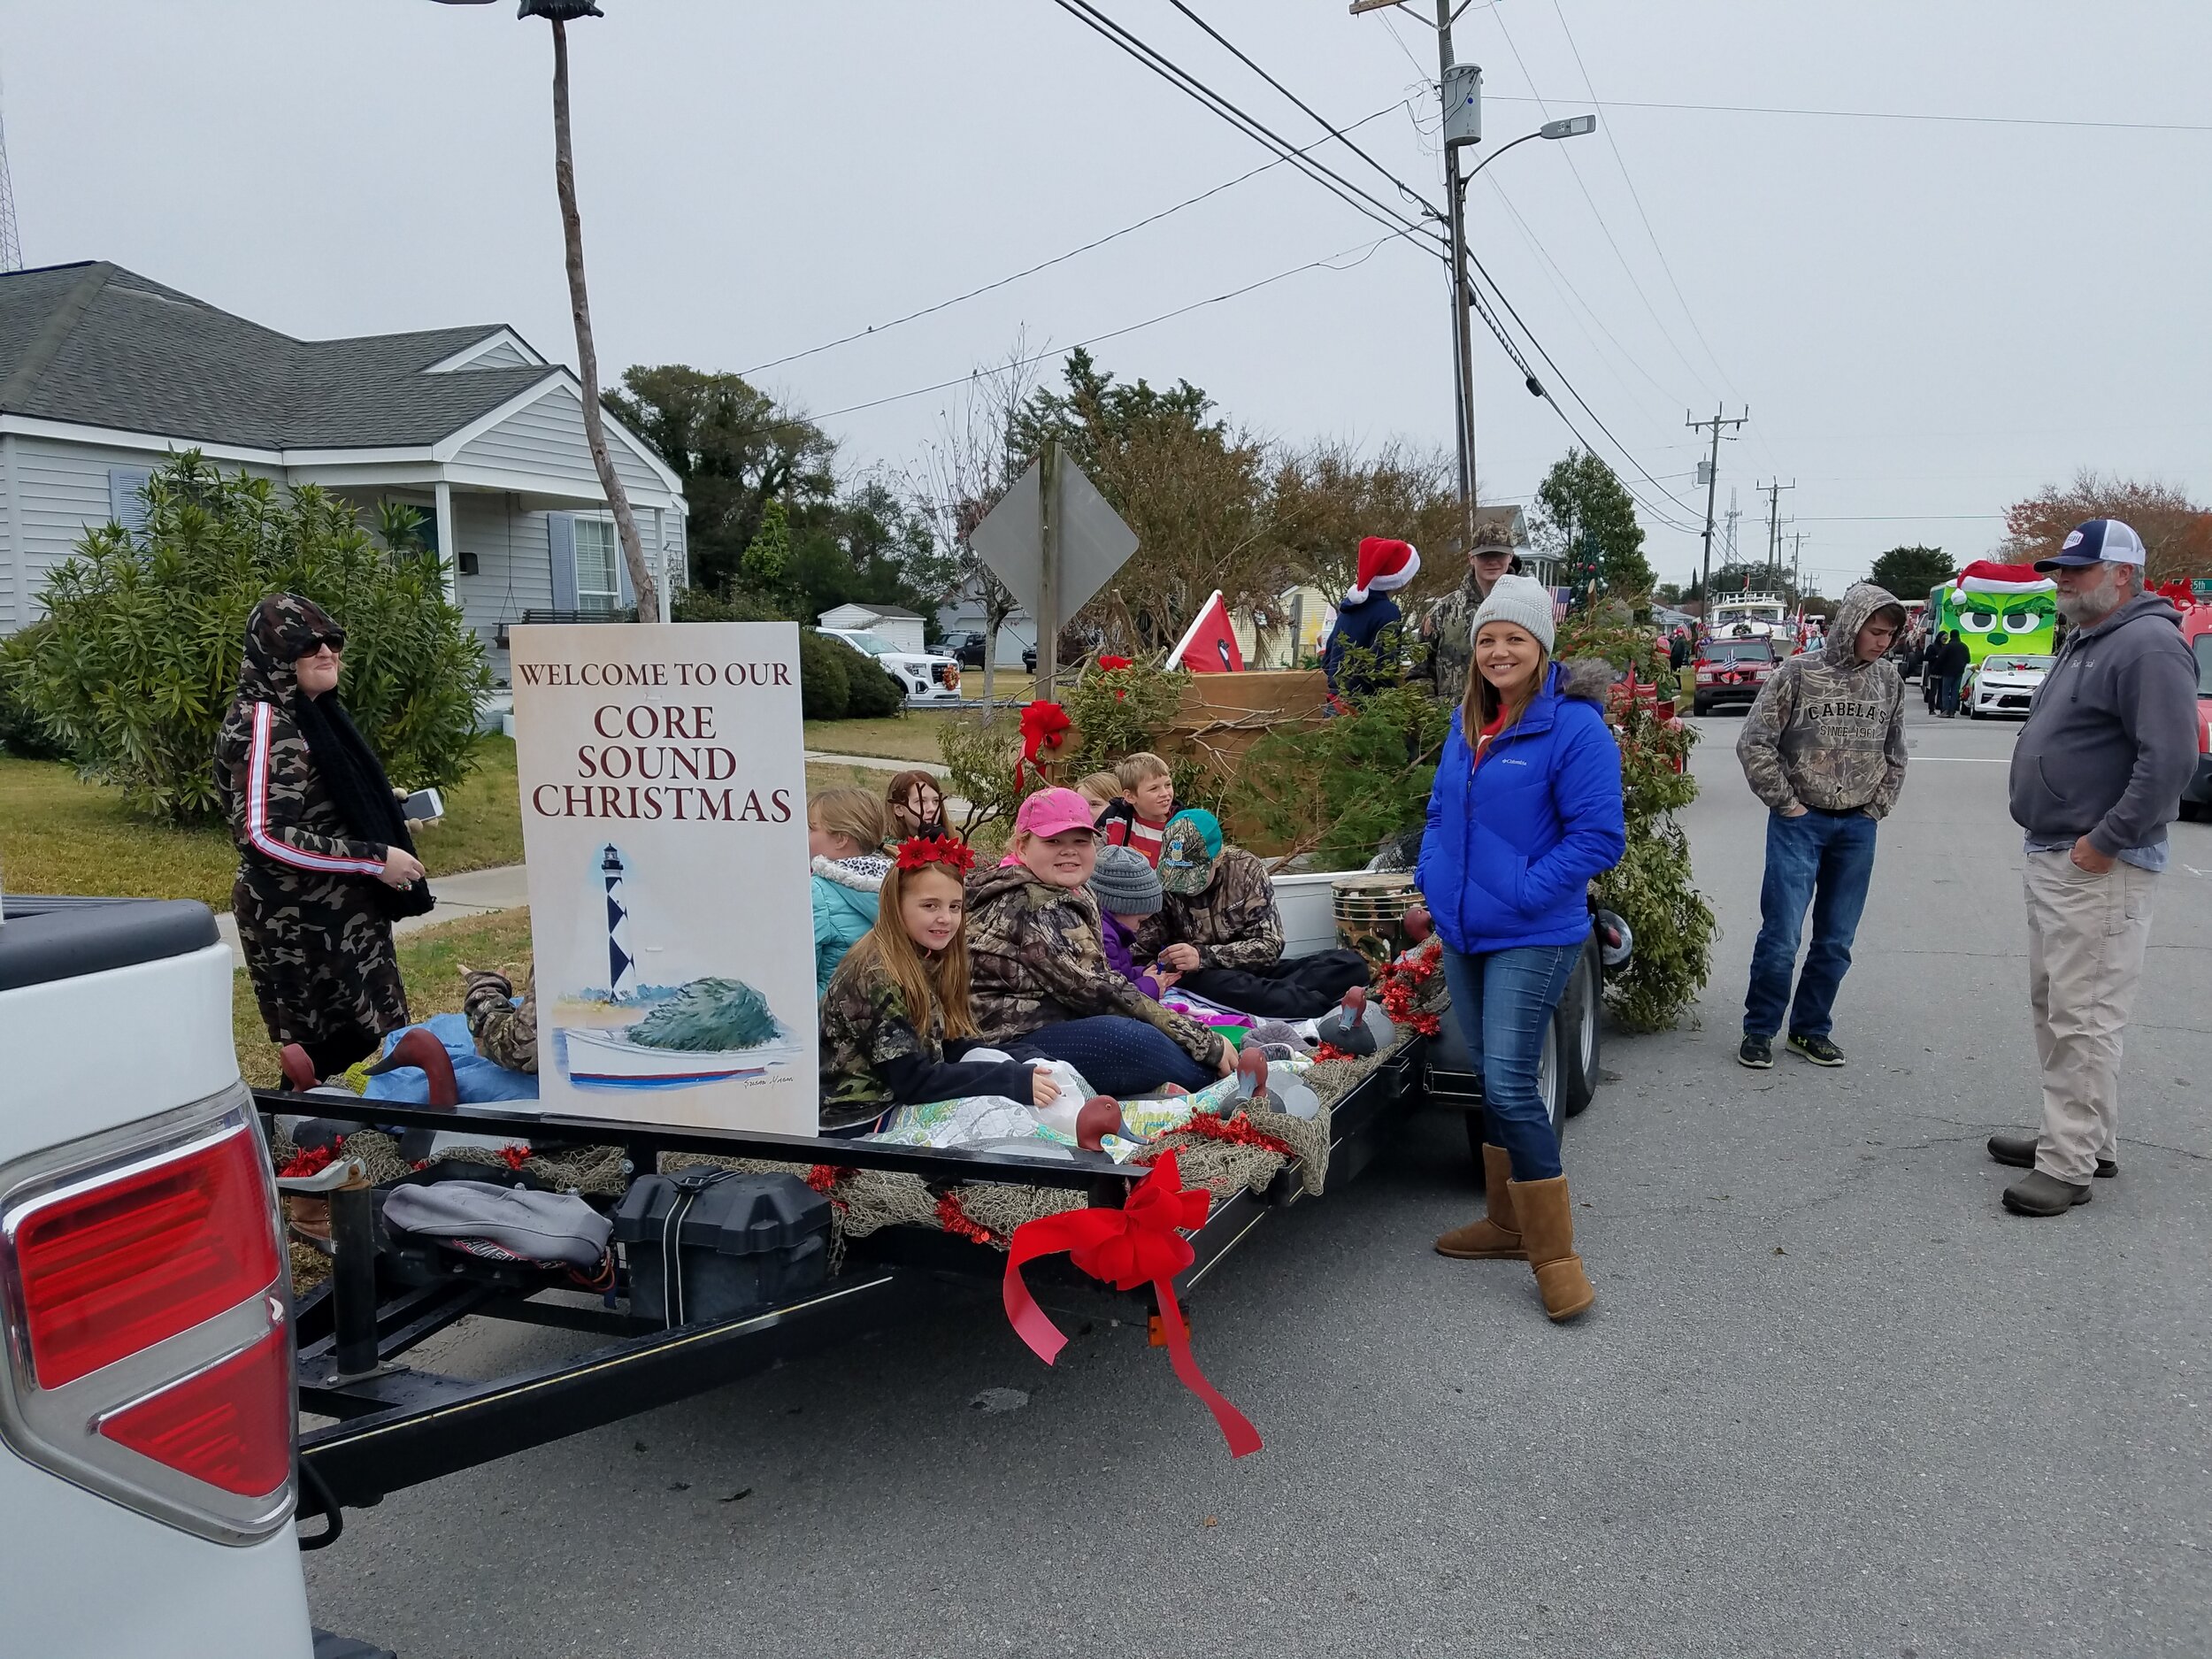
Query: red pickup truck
x=1731, y=672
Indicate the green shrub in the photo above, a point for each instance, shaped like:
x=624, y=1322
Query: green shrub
x=1339, y=788
x=139, y=667
x=22, y=733
x=1121, y=711
x=980, y=755
x=699, y=604
x=1650, y=889
x=825, y=684
x=875, y=690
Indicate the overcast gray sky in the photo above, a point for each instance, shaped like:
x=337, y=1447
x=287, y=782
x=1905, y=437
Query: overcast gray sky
x=1928, y=319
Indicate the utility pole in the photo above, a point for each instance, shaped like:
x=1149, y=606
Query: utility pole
x=1455, y=93
x=1712, y=484
x=1459, y=89
x=1734, y=513
x=1774, y=521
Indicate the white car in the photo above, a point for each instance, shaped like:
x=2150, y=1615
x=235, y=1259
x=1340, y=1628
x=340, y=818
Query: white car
x=2004, y=684
x=925, y=679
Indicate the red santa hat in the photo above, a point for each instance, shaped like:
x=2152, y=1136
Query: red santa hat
x=1384, y=564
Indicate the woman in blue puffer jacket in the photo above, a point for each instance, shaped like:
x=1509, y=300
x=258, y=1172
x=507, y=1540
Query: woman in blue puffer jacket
x=1523, y=815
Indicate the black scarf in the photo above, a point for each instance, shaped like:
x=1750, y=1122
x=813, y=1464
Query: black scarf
x=282, y=628
x=358, y=788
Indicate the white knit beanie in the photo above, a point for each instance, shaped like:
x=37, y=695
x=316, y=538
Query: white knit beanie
x=1521, y=600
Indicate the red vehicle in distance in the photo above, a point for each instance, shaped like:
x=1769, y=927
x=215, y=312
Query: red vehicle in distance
x=1730, y=673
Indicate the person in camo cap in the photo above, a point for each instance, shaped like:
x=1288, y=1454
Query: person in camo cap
x=1824, y=747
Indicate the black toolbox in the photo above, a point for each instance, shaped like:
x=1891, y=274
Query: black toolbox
x=744, y=1243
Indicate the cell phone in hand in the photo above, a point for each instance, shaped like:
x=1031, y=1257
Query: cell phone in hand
x=423, y=805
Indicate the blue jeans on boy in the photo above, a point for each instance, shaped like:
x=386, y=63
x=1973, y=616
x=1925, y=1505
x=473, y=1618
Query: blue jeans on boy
x=1503, y=999
x=1823, y=859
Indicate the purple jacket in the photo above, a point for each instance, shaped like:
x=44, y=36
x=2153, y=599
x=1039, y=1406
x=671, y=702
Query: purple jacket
x=1115, y=937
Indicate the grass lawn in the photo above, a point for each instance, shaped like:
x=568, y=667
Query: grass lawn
x=896, y=737
x=430, y=962
x=59, y=834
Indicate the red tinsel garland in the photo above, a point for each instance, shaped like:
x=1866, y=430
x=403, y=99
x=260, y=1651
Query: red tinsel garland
x=1402, y=983
x=1329, y=1051
x=960, y=1224
x=1238, y=1131
x=514, y=1156
x=312, y=1161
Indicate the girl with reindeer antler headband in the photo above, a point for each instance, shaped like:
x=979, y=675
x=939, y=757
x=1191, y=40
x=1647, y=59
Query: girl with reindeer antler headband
x=895, y=1019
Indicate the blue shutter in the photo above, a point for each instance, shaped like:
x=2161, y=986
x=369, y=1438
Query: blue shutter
x=561, y=532
x=127, y=506
x=625, y=595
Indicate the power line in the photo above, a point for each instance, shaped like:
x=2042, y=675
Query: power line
x=1046, y=264
x=1238, y=53
x=1183, y=80
x=1883, y=115
x=1582, y=185
x=1634, y=196
x=1623, y=450
x=1365, y=251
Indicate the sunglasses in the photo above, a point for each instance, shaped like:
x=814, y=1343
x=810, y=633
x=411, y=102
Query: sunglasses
x=335, y=640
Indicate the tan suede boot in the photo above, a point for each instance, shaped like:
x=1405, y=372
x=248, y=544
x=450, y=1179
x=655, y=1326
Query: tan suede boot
x=1497, y=1237
x=1547, y=1232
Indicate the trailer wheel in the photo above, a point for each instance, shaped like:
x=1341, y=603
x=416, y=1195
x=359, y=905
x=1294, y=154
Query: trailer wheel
x=1579, y=1033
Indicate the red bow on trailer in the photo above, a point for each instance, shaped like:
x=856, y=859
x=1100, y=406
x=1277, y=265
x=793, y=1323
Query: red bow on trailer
x=1136, y=1245
x=1044, y=725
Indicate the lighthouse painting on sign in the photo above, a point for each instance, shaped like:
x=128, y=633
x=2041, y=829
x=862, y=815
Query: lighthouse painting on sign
x=624, y=1032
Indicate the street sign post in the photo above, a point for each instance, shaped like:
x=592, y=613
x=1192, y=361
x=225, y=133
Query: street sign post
x=1054, y=541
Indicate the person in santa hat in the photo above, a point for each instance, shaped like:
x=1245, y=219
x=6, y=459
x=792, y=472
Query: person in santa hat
x=1368, y=620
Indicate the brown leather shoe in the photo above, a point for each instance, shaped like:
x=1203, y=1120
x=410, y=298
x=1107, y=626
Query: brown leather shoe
x=1497, y=1236
x=1547, y=1232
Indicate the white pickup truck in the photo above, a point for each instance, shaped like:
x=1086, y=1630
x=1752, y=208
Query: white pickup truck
x=146, y=1395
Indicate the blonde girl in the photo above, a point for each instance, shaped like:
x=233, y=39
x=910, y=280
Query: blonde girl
x=895, y=1019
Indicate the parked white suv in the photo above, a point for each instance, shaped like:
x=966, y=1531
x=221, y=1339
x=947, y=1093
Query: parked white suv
x=146, y=1387
x=923, y=678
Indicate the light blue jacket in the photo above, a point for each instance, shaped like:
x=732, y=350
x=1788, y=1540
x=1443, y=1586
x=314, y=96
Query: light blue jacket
x=845, y=892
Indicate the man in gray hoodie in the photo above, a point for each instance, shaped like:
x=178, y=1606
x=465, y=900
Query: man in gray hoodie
x=2097, y=775
x=1825, y=747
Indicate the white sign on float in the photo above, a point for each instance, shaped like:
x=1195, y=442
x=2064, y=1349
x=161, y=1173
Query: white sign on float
x=663, y=777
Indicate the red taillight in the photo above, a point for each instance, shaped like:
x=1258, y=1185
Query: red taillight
x=117, y=1266
x=230, y=1426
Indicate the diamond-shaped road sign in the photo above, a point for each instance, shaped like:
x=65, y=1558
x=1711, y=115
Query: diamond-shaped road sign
x=1093, y=540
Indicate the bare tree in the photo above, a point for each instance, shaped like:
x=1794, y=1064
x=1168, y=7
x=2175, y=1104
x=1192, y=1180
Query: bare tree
x=964, y=470
x=643, y=579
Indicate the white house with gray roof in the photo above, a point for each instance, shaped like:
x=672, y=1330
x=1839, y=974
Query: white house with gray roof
x=104, y=373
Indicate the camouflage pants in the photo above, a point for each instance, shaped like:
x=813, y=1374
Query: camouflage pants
x=320, y=957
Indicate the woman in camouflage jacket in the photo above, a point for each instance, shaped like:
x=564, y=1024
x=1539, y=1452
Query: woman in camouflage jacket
x=1040, y=983
x=314, y=897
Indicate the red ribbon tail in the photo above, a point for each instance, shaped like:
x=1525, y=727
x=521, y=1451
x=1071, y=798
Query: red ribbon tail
x=1236, y=1428
x=1046, y=1235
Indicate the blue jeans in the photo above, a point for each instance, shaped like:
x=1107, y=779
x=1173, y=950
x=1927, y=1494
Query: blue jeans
x=1116, y=1055
x=1823, y=860
x=1947, y=694
x=1503, y=999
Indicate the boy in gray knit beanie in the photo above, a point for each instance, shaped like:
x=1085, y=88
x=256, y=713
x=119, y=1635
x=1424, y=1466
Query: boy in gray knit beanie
x=1128, y=890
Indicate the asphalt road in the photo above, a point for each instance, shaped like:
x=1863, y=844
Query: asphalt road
x=1832, y=1400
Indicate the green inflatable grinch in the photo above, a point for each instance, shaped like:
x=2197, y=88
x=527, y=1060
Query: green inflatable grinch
x=1996, y=607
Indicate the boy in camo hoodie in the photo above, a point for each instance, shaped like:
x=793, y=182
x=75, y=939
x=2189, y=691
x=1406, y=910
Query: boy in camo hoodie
x=1825, y=747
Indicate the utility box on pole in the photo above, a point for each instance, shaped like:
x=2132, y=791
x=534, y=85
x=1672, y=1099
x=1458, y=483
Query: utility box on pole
x=1463, y=105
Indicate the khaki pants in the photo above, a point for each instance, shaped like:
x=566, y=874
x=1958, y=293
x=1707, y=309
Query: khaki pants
x=2086, y=935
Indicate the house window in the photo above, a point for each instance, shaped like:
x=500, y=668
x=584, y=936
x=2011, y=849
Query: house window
x=598, y=588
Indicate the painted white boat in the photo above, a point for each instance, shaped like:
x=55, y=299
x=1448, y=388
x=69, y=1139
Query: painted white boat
x=609, y=1059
